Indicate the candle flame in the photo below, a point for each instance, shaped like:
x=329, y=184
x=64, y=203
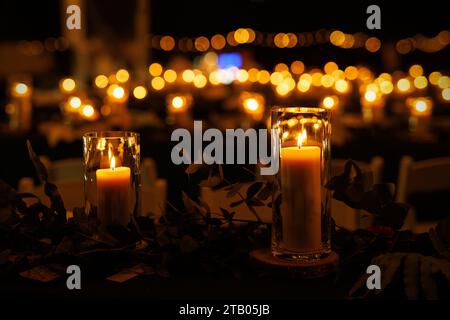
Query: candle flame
x=109, y=153
x=113, y=163
x=301, y=138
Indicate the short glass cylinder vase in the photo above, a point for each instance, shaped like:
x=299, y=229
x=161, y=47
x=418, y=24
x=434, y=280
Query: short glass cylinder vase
x=112, y=176
x=301, y=203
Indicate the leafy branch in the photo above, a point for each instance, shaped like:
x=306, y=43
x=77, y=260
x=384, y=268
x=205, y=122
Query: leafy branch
x=355, y=189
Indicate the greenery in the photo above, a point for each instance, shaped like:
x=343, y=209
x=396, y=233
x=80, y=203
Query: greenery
x=195, y=239
x=415, y=261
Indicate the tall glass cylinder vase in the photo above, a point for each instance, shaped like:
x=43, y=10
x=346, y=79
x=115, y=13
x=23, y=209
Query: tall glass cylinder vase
x=112, y=177
x=301, y=203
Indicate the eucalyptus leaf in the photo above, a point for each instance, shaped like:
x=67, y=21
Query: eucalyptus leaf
x=193, y=168
x=253, y=189
x=39, y=166
x=236, y=203
x=411, y=276
x=427, y=280
x=265, y=192
x=211, y=182
x=233, y=189
x=254, y=202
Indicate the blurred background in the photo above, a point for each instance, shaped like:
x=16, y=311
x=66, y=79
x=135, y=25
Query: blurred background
x=152, y=66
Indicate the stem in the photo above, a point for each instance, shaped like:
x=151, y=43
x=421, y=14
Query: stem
x=249, y=171
x=93, y=239
x=107, y=250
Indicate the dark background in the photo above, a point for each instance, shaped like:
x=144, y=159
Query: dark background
x=37, y=20
x=34, y=20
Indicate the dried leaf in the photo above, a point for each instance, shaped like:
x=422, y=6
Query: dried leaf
x=443, y=231
x=4, y=256
x=188, y=244
x=411, y=276
x=265, y=192
x=253, y=189
x=189, y=204
x=211, y=182
x=254, y=202
x=427, y=281
x=438, y=244
x=389, y=267
x=39, y=166
x=65, y=245
x=359, y=284
x=56, y=201
x=227, y=215
x=384, y=191
x=236, y=203
x=233, y=189
x=192, y=206
x=441, y=265
x=193, y=168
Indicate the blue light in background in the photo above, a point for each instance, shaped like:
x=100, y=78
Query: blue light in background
x=229, y=60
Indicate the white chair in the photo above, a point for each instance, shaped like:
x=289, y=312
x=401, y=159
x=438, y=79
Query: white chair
x=421, y=176
x=376, y=166
x=343, y=215
x=66, y=170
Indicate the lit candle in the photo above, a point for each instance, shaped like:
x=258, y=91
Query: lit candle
x=117, y=99
x=301, y=203
x=113, y=193
x=421, y=107
x=21, y=100
x=420, y=114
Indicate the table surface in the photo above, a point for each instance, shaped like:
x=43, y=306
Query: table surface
x=201, y=287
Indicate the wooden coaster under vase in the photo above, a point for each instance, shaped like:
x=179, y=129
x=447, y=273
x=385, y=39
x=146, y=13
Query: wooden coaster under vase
x=297, y=269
